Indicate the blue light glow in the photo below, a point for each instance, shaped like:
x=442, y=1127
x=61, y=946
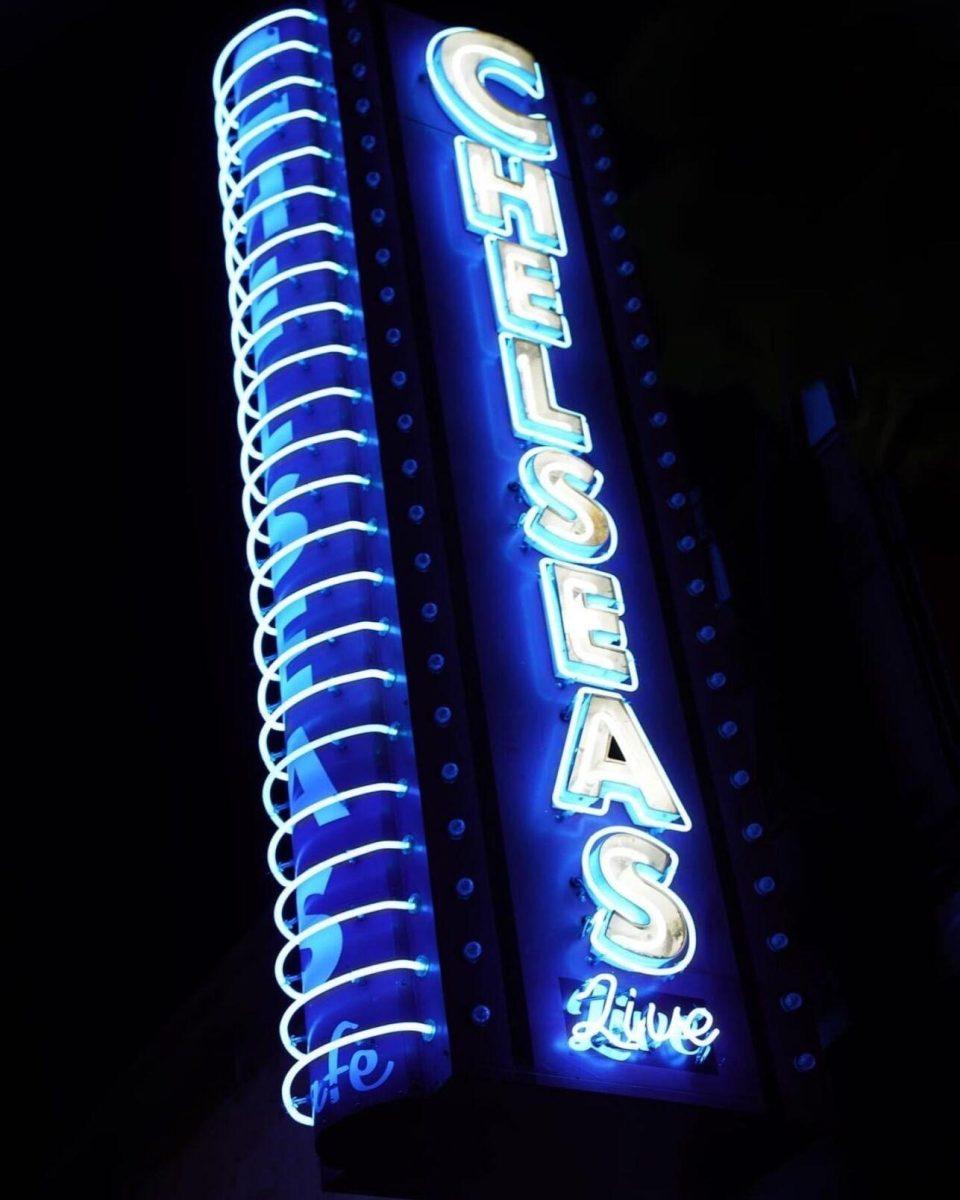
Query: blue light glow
x=341, y=785
x=635, y=903
x=639, y=771
x=537, y=289
x=485, y=58
x=563, y=427
x=565, y=661
x=517, y=215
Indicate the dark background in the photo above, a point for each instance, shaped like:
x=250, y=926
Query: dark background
x=791, y=178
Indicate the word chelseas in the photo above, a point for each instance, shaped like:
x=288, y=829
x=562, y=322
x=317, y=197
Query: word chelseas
x=608, y=767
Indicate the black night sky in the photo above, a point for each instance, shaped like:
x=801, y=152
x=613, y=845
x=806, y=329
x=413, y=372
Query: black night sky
x=791, y=173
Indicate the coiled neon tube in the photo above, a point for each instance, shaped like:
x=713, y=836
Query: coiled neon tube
x=318, y=546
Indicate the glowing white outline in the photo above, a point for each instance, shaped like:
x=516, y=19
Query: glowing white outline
x=524, y=426
x=275, y=723
x=296, y=940
x=517, y=217
x=539, y=500
x=427, y=1029
x=335, y=860
x=277, y=85
x=599, y=806
x=251, y=492
x=599, y=888
x=277, y=771
x=563, y=666
x=619, y=1046
x=419, y=966
x=258, y=506
x=265, y=629
x=470, y=122
x=508, y=321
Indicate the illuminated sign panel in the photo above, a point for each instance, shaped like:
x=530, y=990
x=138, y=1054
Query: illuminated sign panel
x=576, y=769
x=358, y=964
x=628, y=969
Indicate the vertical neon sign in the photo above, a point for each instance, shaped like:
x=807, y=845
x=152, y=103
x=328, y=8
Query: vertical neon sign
x=640, y=924
x=629, y=979
x=359, y=963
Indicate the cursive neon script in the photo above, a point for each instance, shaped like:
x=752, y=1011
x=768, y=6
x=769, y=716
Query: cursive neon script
x=358, y=1070
x=615, y=1027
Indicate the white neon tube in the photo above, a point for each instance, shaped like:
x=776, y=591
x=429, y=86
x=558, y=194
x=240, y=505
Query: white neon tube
x=335, y=860
x=251, y=492
x=248, y=436
x=275, y=721
x=426, y=1028
x=341, y=918
x=279, y=85
x=282, y=14
x=220, y=112
x=258, y=273
x=278, y=770
x=265, y=629
x=419, y=966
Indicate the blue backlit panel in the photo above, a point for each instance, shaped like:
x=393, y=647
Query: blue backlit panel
x=358, y=963
x=628, y=970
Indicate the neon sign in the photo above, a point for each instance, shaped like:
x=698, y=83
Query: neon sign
x=358, y=962
x=613, y=1025
x=608, y=853
x=626, y=980
x=640, y=923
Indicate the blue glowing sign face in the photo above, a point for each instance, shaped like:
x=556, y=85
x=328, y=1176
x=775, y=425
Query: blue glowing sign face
x=628, y=969
x=358, y=963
